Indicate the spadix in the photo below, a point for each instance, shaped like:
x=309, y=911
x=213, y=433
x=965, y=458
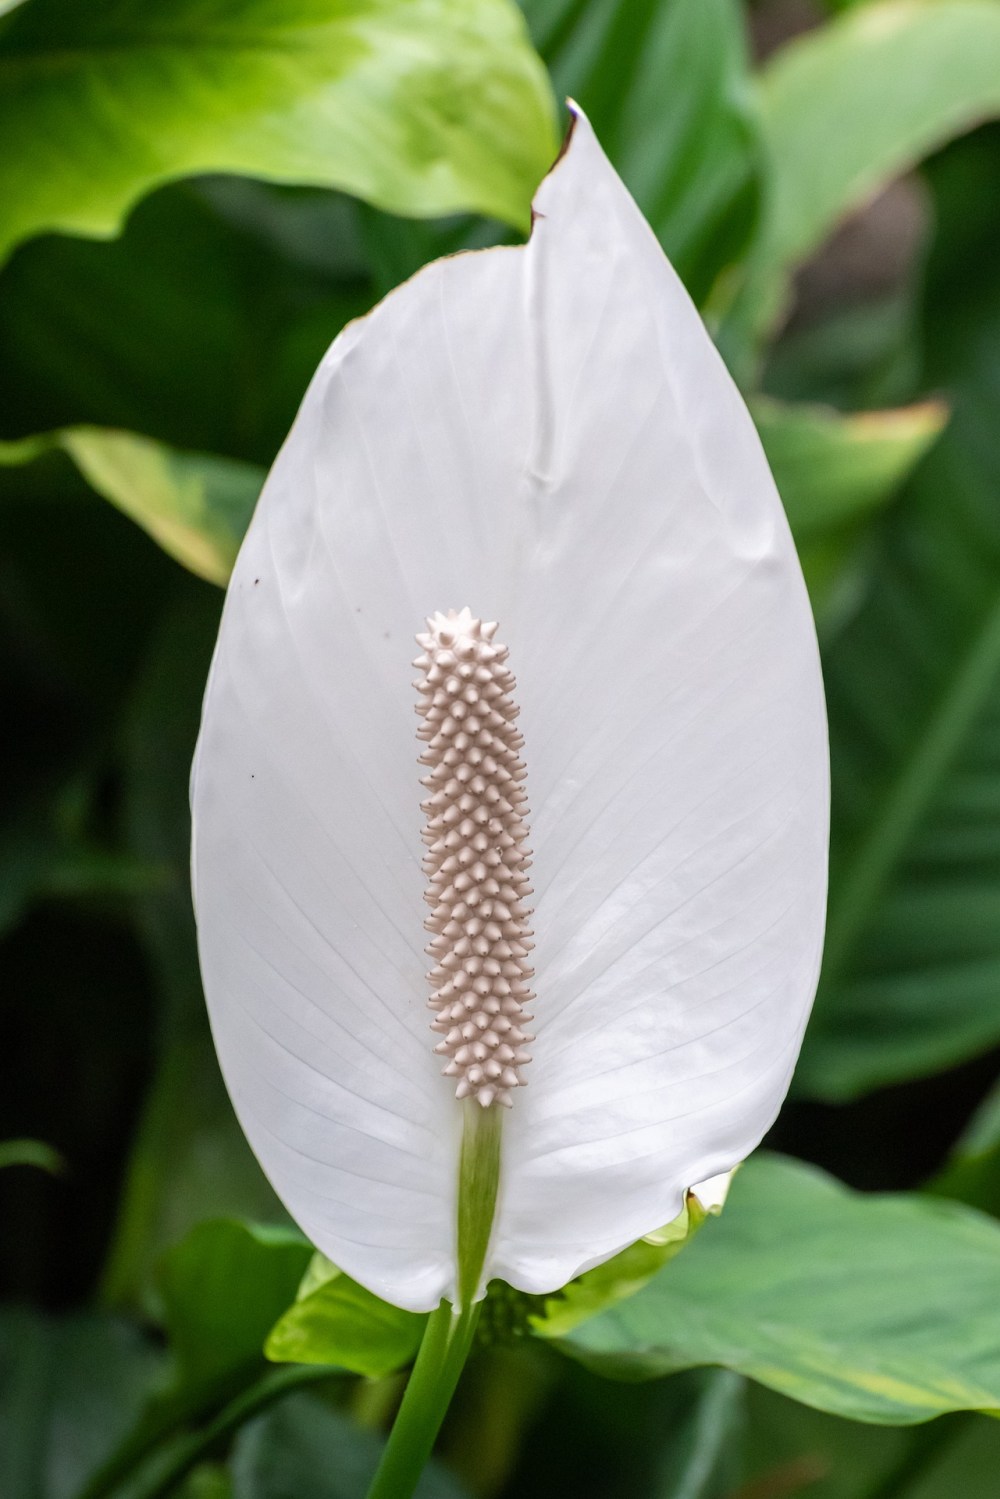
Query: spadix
x=476, y=859
x=545, y=434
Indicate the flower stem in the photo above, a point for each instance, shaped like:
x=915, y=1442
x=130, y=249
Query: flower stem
x=435, y=1374
x=449, y=1332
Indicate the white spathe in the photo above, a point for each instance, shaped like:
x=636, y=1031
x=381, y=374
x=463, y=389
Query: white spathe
x=546, y=435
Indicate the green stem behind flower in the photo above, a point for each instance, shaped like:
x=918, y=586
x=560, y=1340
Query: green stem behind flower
x=449, y=1333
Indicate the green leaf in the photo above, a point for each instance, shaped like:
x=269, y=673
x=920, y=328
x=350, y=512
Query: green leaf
x=619, y=1277
x=189, y=1159
x=851, y=105
x=700, y=1457
x=422, y=108
x=833, y=473
x=32, y=1153
x=303, y=1450
x=667, y=89
x=833, y=469
x=881, y=1309
x=69, y=1390
x=972, y=1172
x=336, y=1321
x=195, y=505
x=912, y=965
x=201, y=325
x=223, y=1287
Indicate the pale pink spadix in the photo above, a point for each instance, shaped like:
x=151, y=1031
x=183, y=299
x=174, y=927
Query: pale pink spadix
x=545, y=434
x=476, y=861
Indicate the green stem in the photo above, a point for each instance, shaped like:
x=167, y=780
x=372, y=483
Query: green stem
x=449, y=1332
x=442, y=1355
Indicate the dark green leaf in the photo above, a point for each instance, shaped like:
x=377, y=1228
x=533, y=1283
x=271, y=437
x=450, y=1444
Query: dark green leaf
x=791, y=1449
x=200, y=326
x=972, y=1172
x=223, y=1288
x=701, y=1450
x=189, y=1160
x=667, y=90
x=912, y=967
x=69, y=1390
x=881, y=1309
x=304, y=1450
x=422, y=108
x=31, y=1153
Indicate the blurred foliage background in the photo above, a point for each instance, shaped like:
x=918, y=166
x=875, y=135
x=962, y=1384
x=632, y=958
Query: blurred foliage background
x=194, y=198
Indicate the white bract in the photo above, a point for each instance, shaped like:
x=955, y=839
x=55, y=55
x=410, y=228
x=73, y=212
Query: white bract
x=545, y=435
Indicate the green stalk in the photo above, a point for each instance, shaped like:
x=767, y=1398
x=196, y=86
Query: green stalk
x=449, y=1332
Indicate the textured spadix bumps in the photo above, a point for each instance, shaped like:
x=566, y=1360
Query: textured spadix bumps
x=546, y=434
x=476, y=861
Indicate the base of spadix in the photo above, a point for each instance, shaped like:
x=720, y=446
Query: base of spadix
x=450, y=1330
x=478, y=1183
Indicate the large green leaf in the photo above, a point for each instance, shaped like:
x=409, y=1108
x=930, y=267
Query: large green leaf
x=667, y=90
x=911, y=980
x=853, y=104
x=425, y=107
x=881, y=1309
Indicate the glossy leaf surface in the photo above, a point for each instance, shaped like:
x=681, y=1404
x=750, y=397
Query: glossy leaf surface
x=424, y=108
x=876, y=1308
x=336, y=1321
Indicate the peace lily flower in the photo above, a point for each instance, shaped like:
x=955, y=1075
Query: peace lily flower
x=537, y=451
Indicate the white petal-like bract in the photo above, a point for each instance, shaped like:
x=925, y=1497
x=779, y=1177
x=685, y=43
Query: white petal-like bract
x=546, y=435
